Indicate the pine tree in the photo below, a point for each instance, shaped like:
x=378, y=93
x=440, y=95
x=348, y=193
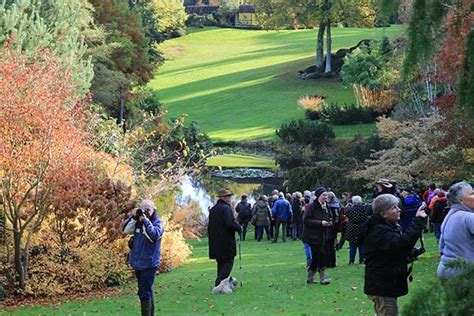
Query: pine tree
x=54, y=24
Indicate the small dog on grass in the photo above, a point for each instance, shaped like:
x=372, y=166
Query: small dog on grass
x=226, y=286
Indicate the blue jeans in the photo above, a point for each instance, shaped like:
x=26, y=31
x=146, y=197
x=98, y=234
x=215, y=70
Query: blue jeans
x=352, y=253
x=260, y=232
x=295, y=232
x=307, y=252
x=145, y=283
x=437, y=230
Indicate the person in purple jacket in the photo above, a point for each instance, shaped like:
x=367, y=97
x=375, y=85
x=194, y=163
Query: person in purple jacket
x=457, y=230
x=147, y=229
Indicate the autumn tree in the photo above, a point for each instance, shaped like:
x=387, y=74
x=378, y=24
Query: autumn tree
x=169, y=15
x=41, y=142
x=417, y=154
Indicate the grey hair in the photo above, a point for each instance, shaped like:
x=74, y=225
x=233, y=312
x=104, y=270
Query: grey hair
x=383, y=203
x=456, y=191
x=356, y=199
x=148, y=203
x=331, y=196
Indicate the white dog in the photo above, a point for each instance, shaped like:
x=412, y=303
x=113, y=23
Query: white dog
x=226, y=286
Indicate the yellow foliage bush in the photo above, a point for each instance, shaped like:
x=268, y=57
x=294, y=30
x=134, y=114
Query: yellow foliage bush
x=56, y=271
x=174, y=249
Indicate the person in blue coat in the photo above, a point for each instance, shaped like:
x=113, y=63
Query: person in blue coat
x=147, y=229
x=412, y=203
x=282, y=213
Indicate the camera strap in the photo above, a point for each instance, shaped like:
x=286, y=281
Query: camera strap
x=410, y=268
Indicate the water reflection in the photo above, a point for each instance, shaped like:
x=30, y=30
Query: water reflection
x=201, y=193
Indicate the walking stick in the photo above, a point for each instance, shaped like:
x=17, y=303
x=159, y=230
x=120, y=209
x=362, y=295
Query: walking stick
x=240, y=263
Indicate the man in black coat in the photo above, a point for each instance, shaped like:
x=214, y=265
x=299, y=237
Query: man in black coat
x=221, y=231
x=244, y=214
x=386, y=253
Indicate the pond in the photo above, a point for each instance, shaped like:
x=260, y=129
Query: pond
x=201, y=192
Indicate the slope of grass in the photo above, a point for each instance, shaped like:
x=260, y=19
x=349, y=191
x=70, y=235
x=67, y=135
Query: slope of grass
x=241, y=84
x=274, y=283
x=241, y=161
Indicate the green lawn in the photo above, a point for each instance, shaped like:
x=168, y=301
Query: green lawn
x=242, y=85
x=241, y=161
x=274, y=283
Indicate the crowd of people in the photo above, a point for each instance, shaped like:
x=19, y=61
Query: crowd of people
x=383, y=232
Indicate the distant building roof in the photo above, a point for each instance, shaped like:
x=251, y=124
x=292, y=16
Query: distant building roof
x=201, y=9
x=246, y=8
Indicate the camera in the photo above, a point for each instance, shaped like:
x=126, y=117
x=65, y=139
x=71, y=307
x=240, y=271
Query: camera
x=415, y=253
x=138, y=213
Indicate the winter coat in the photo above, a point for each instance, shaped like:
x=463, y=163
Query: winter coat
x=334, y=209
x=386, y=251
x=296, y=207
x=407, y=215
x=244, y=211
x=431, y=195
x=457, y=239
x=282, y=210
x=146, y=248
x=439, y=210
x=313, y=230
x=221, y=231
x=263, y=213
x=357, y=215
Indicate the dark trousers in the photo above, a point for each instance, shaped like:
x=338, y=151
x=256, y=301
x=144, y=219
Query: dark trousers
x=272, y=228
x=352, y=253
x=224, y=268
x=244, y=225
x=260, y=232
x=277, y=229
x=342, y=240
x=437, y=230
x=145, y=283
x=331, y=252
x=318, y=257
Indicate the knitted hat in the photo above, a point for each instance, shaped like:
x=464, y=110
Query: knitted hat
x=319, y=191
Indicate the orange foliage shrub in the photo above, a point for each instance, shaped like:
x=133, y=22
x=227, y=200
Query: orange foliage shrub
x=311, y=103
x=190, y=221
x=380, y=100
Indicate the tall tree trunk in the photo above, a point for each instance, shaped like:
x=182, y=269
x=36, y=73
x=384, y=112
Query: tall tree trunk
x=328, y=47
x=320, y=45
x=18, y=260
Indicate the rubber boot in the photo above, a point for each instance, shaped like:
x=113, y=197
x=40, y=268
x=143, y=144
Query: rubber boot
x=323, y=278
x=146, y=306
x=310, y=278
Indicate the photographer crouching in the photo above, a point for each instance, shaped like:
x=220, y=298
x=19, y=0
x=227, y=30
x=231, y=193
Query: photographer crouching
x=387, y=250
x=147, y=229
